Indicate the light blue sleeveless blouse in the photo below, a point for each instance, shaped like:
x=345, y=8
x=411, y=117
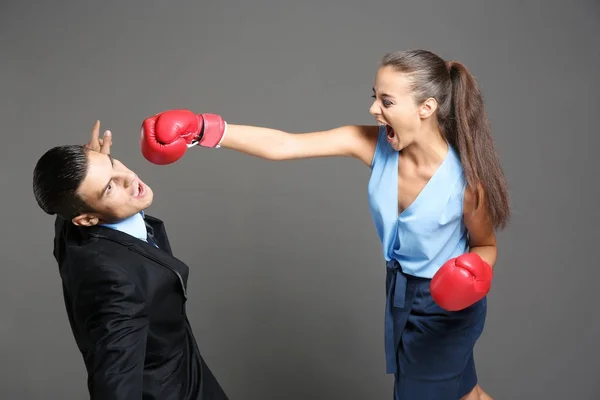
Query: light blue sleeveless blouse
x=431, y=230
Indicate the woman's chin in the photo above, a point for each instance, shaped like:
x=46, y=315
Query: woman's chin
x=395, y=143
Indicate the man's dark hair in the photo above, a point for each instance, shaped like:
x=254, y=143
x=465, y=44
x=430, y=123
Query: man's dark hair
x=56, y=178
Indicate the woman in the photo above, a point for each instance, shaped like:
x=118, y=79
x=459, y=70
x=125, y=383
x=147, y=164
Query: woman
x=437, y=194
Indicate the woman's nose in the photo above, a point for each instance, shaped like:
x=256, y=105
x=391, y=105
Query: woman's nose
x=374, y=109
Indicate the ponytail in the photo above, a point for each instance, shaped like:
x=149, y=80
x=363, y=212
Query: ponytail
x=462, y=118
x=470, y=133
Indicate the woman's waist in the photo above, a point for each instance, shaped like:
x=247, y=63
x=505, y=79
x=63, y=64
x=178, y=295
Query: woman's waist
x=423, y=265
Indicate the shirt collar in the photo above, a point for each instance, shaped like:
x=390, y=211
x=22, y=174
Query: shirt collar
x=134, y=226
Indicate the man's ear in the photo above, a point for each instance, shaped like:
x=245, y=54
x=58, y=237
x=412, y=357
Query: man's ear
x=428, y=107
x=85, y=220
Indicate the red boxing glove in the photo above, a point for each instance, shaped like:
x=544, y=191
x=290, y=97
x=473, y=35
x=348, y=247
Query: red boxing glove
x=461, y=282
x=166, y=136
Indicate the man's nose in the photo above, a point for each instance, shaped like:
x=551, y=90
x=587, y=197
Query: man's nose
x=128, y=178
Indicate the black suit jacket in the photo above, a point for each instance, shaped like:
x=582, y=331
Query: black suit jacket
x=125, y=300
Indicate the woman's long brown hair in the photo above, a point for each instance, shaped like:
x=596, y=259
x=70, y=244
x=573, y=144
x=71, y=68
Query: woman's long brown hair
x=463, y=120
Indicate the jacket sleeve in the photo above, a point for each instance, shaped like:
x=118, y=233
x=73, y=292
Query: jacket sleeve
x=114, y=317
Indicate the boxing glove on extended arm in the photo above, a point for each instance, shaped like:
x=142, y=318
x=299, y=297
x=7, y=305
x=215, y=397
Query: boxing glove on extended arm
x=166, y=136
x=461, y=282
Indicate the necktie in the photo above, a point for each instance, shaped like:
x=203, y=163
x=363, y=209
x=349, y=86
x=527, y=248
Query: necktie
x=150, y=235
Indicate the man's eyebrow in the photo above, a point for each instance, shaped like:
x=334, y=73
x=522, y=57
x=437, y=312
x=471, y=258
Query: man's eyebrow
x=103, y=191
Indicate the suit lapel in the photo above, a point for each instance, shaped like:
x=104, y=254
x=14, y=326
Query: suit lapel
x=162, y=255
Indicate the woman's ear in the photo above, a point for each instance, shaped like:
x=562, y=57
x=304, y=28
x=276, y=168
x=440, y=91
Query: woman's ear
x=428, y=108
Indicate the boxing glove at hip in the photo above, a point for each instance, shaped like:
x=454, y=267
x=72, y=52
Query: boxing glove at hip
x=461, y=282
x=166, y=136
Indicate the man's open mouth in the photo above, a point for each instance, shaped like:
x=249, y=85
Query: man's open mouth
x=140, y=190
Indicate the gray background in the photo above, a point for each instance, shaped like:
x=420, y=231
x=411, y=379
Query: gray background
x=287, y=282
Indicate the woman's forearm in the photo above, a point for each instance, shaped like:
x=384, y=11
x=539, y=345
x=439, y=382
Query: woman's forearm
x=256, y=141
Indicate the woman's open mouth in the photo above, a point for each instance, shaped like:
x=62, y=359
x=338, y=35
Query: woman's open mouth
x=390, y=132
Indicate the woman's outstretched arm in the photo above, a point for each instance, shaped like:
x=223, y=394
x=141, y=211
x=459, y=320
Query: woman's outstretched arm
x=166, y=136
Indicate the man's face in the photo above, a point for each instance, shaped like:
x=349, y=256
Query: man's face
x=112, y=190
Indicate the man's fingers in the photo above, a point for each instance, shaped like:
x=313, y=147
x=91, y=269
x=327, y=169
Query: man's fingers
x=97, y=143
x=106, y=142
x=96, y=132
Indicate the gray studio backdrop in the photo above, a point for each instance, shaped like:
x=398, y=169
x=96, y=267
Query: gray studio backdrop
x=287, y=278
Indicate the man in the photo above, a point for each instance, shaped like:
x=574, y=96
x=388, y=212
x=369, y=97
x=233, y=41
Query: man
x=124, y=290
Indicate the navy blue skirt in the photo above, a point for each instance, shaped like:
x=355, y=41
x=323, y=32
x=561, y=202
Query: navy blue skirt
x=429, y=350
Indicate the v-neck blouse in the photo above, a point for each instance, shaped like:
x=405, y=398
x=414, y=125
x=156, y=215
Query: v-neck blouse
x=431, y=230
